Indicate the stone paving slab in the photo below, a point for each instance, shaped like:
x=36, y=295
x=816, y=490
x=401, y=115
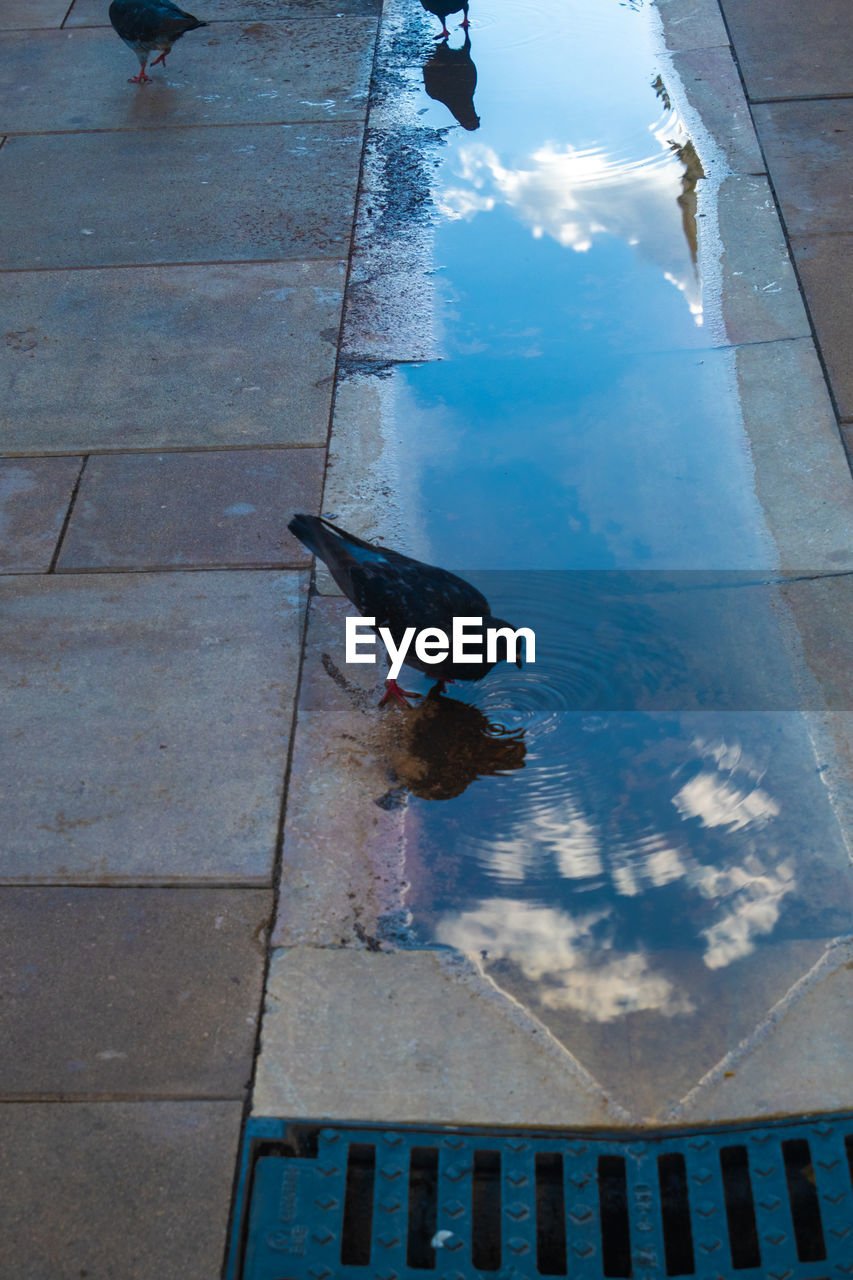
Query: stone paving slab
x=415, y=1036
x=136, y=1190
x=340, y=773
x=761, y=300
x=179, y=374
x=146, y=723
x=801, y=474
x=645, y=1061
x=32, y=13
x=798, y=1059
x=181, y=510
x=153, y=990
x=34, y=498
x=249, y=73
x=712, y=84
x=692, y=24
x=210, y=195
x=789, y=50
x=92, y=13
x=825, y=264
x=809, y=149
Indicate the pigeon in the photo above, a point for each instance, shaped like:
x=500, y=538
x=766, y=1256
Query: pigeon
x=145, y=25
x=399, y=592
x=441, y=8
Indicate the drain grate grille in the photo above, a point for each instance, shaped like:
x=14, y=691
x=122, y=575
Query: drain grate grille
x=318, y=1203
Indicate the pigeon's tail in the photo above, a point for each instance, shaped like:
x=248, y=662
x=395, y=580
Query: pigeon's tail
x=343, y=553
x=309, y=531
x=332, y=544
x=180, y=26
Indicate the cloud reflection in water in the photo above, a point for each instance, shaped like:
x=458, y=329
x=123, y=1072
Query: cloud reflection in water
x=592, y=947
x=575, y=194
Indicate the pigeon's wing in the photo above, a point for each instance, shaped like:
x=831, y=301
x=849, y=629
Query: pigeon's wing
x=382, y=583
x=140, y=20
x=411, y=594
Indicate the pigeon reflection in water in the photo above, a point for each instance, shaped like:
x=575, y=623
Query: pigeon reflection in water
x=447, y=745
x=441, y=8
x=451, y=77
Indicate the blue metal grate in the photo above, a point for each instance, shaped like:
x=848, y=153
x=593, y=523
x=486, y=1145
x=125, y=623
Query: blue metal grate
x=365, y=1203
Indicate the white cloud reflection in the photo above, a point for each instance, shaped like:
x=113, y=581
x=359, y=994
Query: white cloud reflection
x=727, y=793
x=755, y=895
x=734, y=879
x=555, y=950
x=717, y=803
x=575, y=194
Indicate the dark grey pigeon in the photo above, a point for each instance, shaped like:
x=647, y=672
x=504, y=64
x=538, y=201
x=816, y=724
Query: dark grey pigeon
x=146, y=25
x=399, y=592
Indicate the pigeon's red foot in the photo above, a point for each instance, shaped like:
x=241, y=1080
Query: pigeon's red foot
x=393, y=690
x=142, y=78
x=162, y=59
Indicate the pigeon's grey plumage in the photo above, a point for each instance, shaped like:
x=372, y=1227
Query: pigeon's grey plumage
x=398, y=592
x=146, y=25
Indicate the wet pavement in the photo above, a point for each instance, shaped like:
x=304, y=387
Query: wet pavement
x=615, y=899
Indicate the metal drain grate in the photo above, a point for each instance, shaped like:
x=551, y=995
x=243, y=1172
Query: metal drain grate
x=317, y=1203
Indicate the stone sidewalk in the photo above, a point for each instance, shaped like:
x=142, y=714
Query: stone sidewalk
x=174, y=259
x=174, y=266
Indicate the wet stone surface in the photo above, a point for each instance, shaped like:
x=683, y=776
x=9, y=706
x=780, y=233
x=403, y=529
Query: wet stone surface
x=34, y=497
x=761, y=301
x=177, y=510
x=142, y=359
x=91, y=13
x=796, y=1064
x=246, y=73
x=278, y=191
x=150, y=986
x=131, y=1189
x=167, y=769
x=337, y=799
x=451, y=1050
x=663, y=874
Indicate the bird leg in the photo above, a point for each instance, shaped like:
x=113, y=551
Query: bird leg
x=162, y=58
x=393, y=690
x=142, y=78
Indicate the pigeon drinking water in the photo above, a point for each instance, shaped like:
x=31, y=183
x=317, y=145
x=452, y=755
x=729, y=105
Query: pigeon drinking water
x=145, y=25
x=400, y=593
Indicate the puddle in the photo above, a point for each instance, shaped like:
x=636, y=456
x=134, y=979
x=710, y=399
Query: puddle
x=648, y=822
